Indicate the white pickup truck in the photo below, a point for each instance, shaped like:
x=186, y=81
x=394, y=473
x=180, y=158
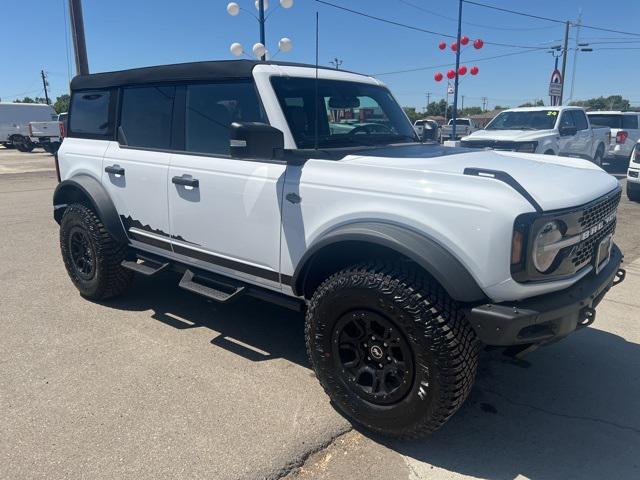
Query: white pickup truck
x=47, y=135
x=550, y=130
x=464, y=127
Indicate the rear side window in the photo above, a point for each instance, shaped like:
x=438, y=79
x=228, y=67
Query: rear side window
x=580, y=119
x=210, y=110
x=606, y=120
x=630, y=121
x=145, y=116
x=90, y=113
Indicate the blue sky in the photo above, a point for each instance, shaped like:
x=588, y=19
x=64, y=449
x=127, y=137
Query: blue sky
x=130, y=33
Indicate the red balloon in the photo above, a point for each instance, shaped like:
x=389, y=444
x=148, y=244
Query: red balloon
x=462, y=70
x=474, y=70
x=464, y=40
x=437, y=77
x=478, y=44
x=451, y=74
x=454, y=46
x=442, y=45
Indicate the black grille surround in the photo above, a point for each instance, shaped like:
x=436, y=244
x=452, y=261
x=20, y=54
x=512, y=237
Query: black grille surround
x=506, y=145
x=593, y=222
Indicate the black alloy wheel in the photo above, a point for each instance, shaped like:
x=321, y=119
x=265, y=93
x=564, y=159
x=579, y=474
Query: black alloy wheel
x=374, y=357
x=82, y=254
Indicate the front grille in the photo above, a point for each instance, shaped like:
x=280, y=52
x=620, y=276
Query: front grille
x=592, y=216
x=493, y=144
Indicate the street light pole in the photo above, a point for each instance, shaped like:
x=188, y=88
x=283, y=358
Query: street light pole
x=261, y=20
x=564, y=57
x=455, y=92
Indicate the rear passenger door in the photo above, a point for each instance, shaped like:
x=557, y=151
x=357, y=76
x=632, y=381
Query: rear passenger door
x=583, y=144
x=224, y=212
x=566, y=143
x=137, y=164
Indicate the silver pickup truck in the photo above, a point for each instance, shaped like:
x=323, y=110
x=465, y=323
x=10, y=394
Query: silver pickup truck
x=549, y=130
x=464, y=127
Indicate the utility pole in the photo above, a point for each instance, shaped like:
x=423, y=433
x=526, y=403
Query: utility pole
x=455, y=93
x=484, y=104
x=77, y=31
x=428, y=101
x=575, y=54
x=462, y=104
x=336, y=62
x=564, y=57
x=261, y=20
x=45, y=84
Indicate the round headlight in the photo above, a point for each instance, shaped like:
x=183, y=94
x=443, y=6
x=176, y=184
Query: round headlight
x=543, y=252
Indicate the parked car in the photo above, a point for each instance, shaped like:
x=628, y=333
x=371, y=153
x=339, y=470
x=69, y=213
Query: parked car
x=625, y=133
x=549, y=130
x=427, y=129
x=14, y=123
x=47, y=135
x=633, y=175
x=406, y=257
x=464, y=127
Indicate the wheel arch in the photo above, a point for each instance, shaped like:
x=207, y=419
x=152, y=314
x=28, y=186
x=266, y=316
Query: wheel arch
x=87, y=190
x=351, y=243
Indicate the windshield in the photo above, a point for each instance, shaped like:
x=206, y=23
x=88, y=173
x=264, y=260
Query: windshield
x=349, y=113
x=611, y=121
x=531, y=120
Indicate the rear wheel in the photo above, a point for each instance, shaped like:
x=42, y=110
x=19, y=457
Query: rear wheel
x=549, y=152
x=91, y=255
x=597, y=158
x=390, y=348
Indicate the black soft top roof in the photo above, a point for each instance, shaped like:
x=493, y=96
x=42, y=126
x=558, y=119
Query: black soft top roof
x=179, y=72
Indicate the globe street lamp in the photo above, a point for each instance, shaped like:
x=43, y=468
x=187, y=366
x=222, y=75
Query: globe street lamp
x=259, y=49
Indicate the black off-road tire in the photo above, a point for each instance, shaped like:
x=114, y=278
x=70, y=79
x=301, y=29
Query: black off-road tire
x=443, y=345
x=106, y=277
x=633, y=195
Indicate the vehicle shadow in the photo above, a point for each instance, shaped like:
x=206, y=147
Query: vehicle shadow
x=248, y=327
x=566, y=411
x=569, y=411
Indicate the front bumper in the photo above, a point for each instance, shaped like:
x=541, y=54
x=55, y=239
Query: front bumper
x=548, y=317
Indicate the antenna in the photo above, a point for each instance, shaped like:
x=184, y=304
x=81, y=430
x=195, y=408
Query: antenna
x=316, y=96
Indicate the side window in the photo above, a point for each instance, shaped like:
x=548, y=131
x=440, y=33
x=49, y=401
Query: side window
x=580, y=119
x=210, y=110
x=566, y=120
x=630, y=121
x=90, y=113
x=145, y=116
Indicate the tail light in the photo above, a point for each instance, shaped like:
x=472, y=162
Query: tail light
x=621, y=136
x=62, y=131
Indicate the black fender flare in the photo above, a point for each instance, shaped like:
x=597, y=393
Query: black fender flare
x=90, y=188
x=445, y=268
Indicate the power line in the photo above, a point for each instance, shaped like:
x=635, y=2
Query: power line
x=523, y=14
x=479, y=25
x=418, y=29
x=506, y=10
x=431, y=67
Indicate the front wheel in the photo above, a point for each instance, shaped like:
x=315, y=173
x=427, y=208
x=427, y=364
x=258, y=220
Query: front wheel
x=390, y=348
x=633, y=194
x=91, y=255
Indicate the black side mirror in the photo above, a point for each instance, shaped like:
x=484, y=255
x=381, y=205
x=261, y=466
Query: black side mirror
x=256, y=140
x=568, y=131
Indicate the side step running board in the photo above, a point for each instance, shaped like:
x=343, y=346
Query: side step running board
x=214, y=289
x=146, y=267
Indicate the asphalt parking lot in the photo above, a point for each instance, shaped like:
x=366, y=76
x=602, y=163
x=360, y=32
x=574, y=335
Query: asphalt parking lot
x=164, y=384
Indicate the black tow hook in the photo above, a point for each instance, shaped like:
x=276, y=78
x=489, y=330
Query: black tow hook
x=621, y=274
x=587, y=317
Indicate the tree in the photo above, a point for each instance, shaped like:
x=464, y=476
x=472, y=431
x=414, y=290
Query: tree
x=612, y=102
x=537, y=103
x=471, y=111
x=411, y=113
x=500, y=107
x=62, y=103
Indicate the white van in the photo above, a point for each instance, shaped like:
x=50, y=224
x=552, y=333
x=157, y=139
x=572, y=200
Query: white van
x=14, y=122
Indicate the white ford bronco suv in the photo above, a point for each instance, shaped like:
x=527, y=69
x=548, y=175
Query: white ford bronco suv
x=406, y=257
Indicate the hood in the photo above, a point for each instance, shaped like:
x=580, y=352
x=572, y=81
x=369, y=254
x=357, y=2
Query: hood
x=554, y=182
x=509, y=135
